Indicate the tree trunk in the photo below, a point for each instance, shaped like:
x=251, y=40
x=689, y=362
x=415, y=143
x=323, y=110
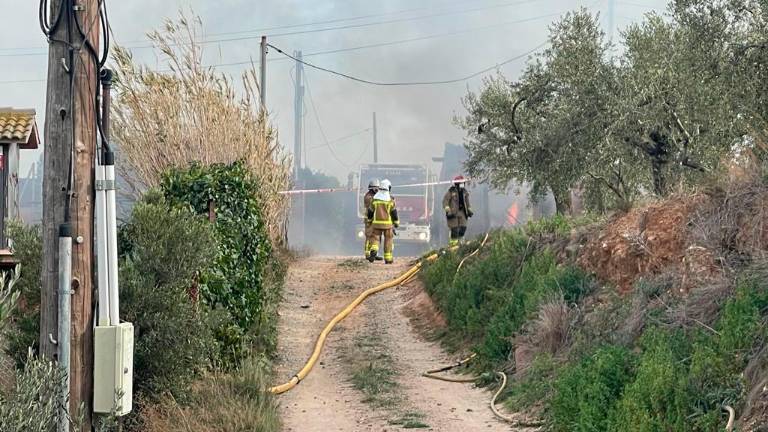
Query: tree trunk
x=562, y=200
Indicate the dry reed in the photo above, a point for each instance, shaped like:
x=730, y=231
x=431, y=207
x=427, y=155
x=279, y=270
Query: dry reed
x=194, y=114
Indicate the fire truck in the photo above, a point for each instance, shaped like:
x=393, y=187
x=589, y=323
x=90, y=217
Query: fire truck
x=412, y=196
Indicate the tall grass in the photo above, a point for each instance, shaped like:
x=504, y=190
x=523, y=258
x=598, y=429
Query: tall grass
x=235, y=401
x=193, y=113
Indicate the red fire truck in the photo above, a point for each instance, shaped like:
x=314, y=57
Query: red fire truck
x=412, y=196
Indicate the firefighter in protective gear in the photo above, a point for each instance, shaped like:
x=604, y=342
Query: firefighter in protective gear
x=457, y=209
x=382, y=214
x=373, y=187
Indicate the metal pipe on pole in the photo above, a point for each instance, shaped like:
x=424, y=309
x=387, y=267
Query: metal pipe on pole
x=65, y=322
x=111, y=200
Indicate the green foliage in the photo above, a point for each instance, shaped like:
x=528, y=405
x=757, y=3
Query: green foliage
x=33, y=405
x=668, y=108
x=25, y=329
x=166, y=250
x=245, y=279
x=658, y=397
x=535, y=387
x=681, y=379
x=557, y=224
x=491, y=299
x=587, y=391
x=9, y=295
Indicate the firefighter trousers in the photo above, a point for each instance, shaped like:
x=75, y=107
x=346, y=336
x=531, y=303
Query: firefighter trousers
x=458, y=227
x=389, y=243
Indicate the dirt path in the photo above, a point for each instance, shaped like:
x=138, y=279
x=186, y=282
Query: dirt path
x=369, y=375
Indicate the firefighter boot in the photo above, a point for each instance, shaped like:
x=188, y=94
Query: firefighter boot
x=372, y=255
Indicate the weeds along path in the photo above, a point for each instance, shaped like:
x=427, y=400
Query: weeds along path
x=369, y=375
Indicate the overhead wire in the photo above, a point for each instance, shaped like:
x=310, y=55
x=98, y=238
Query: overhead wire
x=411, y=83
x=324, y=29
x=343, y=138
x=322, y=130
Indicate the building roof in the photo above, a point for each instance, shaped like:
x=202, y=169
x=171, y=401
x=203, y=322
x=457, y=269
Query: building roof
x=18, y=126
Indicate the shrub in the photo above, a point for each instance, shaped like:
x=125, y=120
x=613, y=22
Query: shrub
x=24, y=331
x=167, y=248
x=33, y=405
x=658, y=397
x=238, y=282
x=535, y=386
x=586, y=392
x=493, y=297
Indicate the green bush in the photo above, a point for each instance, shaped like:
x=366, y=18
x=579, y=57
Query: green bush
x=166, y=250
x=33, y=405
x=242, y=281
x=489, y=300
x=586, y=392
x=658, y=397
x=535, y=387
x=24, y=331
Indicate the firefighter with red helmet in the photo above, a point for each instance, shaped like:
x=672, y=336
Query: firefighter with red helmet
x=457, y=209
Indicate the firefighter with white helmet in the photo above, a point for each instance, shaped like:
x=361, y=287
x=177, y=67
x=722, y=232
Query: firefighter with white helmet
x=382, y=215
x=457, y=209
x=373, y=187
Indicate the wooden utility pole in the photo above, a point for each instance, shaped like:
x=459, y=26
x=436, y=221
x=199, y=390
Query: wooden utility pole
x=74, y=114
x=298, y=115
x=263, y=73
x=56, y=165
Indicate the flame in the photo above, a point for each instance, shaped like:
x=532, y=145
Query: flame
x=512, y=213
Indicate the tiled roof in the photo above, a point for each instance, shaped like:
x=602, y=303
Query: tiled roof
x=18, y=126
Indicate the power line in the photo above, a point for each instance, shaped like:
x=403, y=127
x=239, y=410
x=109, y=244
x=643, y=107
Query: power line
x=278, y=27
x=322, y=131
x=412, y=83
x=340, y=139
x=398, y=42
x=348, y=49
x=325, y=29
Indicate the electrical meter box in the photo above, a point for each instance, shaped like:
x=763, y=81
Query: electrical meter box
x=113, y=369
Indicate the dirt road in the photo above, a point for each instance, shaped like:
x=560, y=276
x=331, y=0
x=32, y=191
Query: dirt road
x=368, y=377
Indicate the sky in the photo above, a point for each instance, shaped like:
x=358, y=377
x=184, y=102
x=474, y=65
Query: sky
x=455, y=39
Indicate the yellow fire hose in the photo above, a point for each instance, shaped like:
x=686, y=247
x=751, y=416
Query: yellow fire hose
x=516, y=423
x=403, y=278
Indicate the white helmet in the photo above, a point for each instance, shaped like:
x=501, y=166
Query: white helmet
x=374, y=183
x=386, y=185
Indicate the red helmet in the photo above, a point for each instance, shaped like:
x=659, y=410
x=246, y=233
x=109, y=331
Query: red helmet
x=459, y=179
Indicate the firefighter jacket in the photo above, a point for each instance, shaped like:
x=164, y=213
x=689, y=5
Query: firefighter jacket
x=382, y=213
x=367, y=200
x=456, y=203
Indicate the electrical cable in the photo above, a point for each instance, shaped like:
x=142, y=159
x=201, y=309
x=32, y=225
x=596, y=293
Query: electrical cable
x=412, y=83
x=325, y=29
x=340, y=139
x=322, y=131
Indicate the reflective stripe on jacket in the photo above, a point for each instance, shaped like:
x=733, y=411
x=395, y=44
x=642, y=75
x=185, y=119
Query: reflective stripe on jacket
x=382, y=214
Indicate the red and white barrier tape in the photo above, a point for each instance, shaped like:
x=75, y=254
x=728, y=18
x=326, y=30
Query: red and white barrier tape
x=394, y=188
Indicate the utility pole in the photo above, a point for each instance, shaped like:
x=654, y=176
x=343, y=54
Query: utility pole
x=263, y=73
x=71, y=145
x=375, y=141
x=298, y=118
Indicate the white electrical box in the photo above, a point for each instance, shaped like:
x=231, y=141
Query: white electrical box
x=113, y=369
